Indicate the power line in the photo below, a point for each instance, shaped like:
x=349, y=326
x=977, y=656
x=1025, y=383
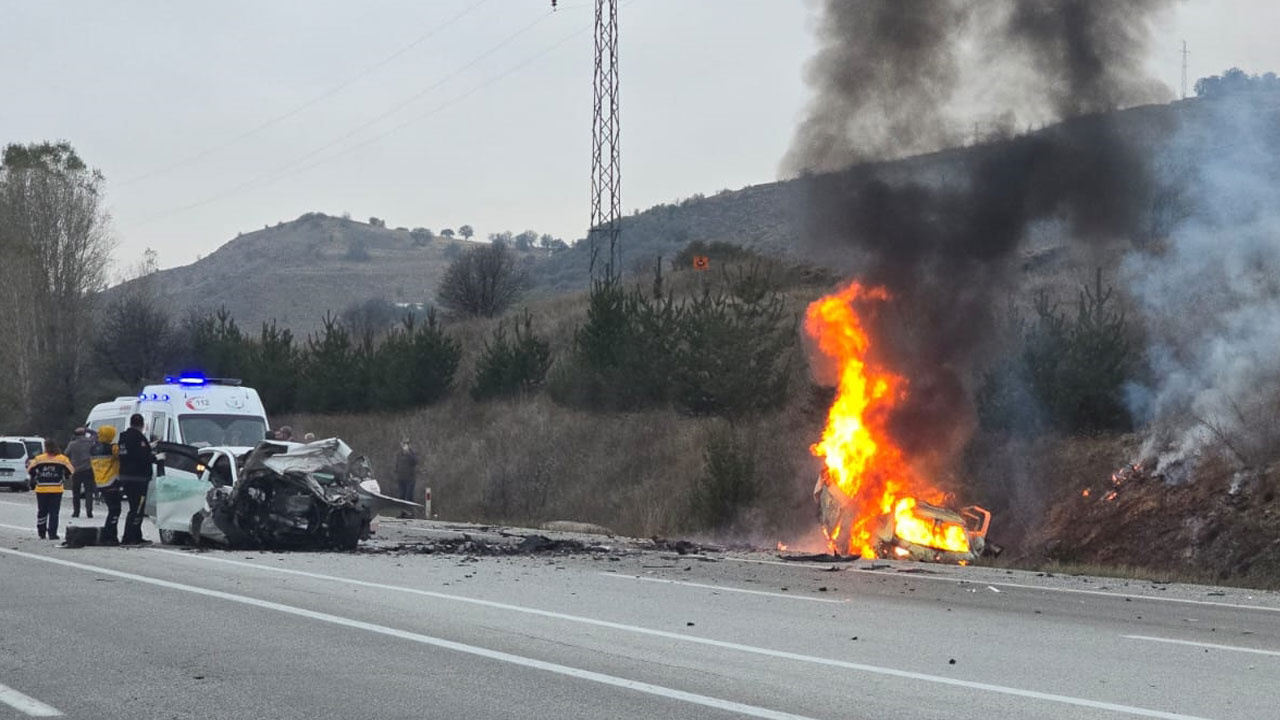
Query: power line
x=295, y=166
x=163, y=170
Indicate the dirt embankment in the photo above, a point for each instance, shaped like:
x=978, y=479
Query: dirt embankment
x=1222, y=524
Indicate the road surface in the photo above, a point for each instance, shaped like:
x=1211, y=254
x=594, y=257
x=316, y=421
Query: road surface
x=163, y=633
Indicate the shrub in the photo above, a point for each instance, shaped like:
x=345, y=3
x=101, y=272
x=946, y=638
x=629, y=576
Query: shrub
x=725, y=352
x=507, y=367
x=415, y=364
x=718, y=251
x=357, y=252
x=728, y=484
x=274, y=363
x=735, y=350
x=334, y=372
x=483, y=281
x=1066, y=374
x=623, y=353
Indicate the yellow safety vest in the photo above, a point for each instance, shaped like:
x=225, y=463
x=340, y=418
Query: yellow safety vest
x=104, y=456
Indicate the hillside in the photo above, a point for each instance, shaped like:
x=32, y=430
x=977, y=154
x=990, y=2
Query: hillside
x=774, y=218
x=295, y=271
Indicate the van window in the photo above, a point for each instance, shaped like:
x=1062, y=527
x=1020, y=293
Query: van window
x=159, y=421
x=118, y=423
x=34, y=447
x=230, y=430
x=12, y=450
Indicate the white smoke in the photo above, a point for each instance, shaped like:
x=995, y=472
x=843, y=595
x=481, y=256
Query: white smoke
x=1209, y=291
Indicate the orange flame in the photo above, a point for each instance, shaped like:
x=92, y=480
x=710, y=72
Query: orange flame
x=861, y=459
x=923, y=531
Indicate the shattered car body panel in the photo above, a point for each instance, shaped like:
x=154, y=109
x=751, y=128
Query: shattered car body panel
x=279, y=495
x=971, y=523
x=931, y=526
x=294, y=496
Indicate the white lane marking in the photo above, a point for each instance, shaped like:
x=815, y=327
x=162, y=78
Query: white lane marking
x=719, y=588
x=26, y=704
x=870, y=669
x=17, y=527
x=1215, y=646
x=1020, y=586
x=658, y=690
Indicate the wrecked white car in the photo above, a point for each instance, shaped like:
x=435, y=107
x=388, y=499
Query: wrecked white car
x=930, y=533
x=278, y=495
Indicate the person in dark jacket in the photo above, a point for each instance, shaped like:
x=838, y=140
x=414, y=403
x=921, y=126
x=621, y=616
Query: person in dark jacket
x=406, y=470
x=82, y=479
x=137, y=462
x=49, y=472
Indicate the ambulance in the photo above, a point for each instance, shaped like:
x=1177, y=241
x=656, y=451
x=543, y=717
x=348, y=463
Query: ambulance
x=191, y=409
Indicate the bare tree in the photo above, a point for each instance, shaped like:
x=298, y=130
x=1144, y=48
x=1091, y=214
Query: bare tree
x=484, y=281
x=56, y=249
x=135, y=337
x=369, y=318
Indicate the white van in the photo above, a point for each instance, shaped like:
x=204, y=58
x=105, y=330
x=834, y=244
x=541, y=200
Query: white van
x=13, y=463
x=191, y=410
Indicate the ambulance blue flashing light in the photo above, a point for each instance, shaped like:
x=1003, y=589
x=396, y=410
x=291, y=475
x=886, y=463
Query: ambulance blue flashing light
x=198, y=380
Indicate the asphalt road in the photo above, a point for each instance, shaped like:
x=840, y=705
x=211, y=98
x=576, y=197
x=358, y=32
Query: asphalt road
x=162, y=633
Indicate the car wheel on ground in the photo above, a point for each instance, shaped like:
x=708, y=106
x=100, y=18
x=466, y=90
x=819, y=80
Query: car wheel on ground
x=174, y=537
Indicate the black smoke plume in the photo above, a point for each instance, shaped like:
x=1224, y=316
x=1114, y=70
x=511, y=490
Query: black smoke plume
x=893, y=78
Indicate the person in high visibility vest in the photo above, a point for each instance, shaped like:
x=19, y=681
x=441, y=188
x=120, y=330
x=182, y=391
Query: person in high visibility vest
x=104, y=456
x=49, y=472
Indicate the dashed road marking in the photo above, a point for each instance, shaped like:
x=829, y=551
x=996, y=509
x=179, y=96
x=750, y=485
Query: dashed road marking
x=26, y=704
x=1212, y=646
x=1019, y=586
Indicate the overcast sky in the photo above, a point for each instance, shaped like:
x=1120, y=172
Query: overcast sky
x=213, y=118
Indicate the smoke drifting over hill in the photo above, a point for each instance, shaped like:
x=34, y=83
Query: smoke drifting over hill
x=892, y=79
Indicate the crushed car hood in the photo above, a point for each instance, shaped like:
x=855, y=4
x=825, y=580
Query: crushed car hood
x=298, y=496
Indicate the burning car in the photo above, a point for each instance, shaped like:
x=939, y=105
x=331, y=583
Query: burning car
x=920, y=531
x=278, y=495
x=912, y=530
x=875, y=499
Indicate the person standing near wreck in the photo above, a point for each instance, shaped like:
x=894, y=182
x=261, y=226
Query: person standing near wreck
x=82, y=479
x=49, y=472
x=104, y=456
x=406, y=470
x=136, y=466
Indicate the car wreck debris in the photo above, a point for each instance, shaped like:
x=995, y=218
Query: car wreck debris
x=288, y=496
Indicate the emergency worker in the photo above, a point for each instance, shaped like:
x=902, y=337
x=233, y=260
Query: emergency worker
x=82, y=478
x=49, y=472
x=137, y=463
x=104, y=456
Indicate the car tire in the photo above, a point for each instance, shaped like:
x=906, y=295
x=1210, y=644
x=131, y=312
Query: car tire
x=345, y=529
x=174, y=537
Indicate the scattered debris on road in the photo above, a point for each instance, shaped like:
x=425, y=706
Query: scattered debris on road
x=472, y=546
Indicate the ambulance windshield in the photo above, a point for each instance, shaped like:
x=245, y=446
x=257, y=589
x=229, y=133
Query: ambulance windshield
x=228, y=430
